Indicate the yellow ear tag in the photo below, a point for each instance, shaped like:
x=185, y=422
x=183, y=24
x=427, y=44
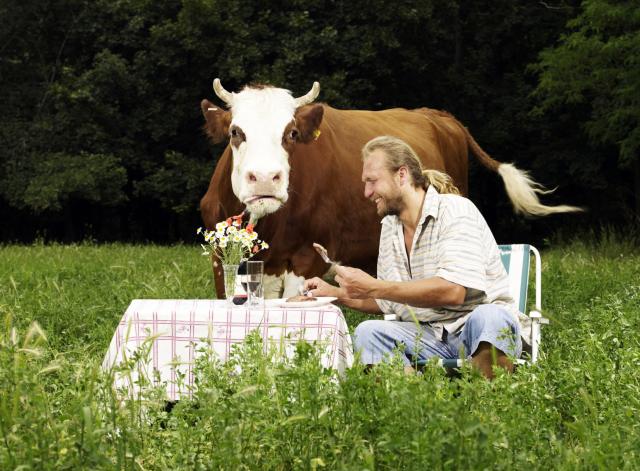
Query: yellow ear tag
x=316, y=134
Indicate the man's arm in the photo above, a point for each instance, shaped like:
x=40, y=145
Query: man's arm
x=318, y=287
x=431, y=292
x=365, y=305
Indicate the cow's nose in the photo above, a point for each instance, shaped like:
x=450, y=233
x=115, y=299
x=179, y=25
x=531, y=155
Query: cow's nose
x=267, y=177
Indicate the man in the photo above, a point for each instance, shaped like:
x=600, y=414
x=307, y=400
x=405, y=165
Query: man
x=438, y=261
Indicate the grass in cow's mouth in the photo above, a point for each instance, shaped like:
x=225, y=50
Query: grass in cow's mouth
x=577, y=408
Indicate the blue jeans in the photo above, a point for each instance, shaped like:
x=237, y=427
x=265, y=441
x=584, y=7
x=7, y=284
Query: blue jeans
x=376, y=339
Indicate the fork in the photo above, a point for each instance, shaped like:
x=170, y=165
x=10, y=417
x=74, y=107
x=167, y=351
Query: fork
x=323, y=253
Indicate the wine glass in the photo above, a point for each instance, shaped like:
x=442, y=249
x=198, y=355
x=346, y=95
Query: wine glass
x=255, y=289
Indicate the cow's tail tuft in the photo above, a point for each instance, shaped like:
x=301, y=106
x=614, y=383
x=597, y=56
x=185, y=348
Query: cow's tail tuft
x=522, y=190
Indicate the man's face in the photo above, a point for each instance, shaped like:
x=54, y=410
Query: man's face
x=381, y=186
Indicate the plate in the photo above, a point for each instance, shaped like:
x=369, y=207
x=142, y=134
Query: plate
x=321, y=301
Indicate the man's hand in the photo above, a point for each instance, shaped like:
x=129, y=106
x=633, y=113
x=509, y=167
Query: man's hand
x=318, y=287
x=355, y=283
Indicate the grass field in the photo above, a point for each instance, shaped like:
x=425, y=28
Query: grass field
x=578, y=408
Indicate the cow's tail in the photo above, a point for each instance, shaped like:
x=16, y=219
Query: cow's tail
x=522, y=190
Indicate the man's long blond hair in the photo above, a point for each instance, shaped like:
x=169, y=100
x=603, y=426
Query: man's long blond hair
x=400, y=154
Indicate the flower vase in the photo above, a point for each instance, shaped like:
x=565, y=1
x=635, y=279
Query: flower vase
x=230, y=274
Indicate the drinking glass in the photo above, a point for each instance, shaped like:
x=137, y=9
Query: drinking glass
x=255, y=289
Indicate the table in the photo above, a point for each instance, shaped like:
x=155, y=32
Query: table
x=178, y=328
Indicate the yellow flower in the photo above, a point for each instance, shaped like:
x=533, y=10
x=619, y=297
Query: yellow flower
x=230, y=240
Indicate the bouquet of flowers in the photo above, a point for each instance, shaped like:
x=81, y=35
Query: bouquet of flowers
x=231, y=242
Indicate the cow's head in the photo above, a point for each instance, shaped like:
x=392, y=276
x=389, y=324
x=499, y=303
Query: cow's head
x=264, y=124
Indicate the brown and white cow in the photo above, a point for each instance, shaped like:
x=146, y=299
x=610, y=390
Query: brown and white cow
x=295, y=166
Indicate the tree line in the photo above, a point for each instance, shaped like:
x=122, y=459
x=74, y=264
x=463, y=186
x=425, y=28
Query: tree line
x=101, y=128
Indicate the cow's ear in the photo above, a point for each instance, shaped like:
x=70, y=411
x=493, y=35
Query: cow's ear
x=218, y=121
x=308, y=119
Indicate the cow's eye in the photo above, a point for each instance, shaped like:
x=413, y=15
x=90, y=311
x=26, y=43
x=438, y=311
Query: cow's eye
x=293, y=134
x=234, y=132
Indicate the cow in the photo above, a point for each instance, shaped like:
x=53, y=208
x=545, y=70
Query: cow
x=295, y=167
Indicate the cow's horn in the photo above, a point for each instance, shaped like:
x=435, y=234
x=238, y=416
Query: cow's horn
x=222, y=93
x=309, y=97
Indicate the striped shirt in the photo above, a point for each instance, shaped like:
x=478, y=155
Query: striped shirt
x=452, y=241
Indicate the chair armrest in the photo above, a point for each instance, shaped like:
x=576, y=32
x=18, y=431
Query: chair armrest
x=537, y=317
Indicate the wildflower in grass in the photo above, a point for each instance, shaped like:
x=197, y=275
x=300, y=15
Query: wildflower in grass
x=231, y=242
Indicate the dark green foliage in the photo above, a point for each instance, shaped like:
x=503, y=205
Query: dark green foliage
x=103, y=98
x=593, y=74
x=597, y=65
x=178, y=184
x=49, y=182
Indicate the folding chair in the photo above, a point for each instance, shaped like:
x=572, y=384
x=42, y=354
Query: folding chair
x=516, y=259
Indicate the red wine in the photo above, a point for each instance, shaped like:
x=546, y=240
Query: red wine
x=239, y=299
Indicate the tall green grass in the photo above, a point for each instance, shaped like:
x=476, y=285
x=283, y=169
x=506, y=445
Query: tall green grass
x=578, y=407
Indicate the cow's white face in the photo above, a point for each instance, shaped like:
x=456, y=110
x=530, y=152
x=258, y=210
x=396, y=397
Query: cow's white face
x=263, y=126
x=260, y=176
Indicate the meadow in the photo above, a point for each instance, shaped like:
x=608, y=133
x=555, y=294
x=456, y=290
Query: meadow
x=59, y=304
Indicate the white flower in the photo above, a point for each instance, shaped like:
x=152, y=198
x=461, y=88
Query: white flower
x=231, y=240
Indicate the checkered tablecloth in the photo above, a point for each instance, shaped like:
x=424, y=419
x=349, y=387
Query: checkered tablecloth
x=174, y=331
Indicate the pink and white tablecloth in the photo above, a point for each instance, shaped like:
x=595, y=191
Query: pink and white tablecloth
x=181, y=327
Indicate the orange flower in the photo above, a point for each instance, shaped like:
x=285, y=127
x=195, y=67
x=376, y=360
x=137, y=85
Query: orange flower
x=228, y=221
x=250, y=228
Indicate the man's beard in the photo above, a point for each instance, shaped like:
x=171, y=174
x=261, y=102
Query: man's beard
x=391, y=207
